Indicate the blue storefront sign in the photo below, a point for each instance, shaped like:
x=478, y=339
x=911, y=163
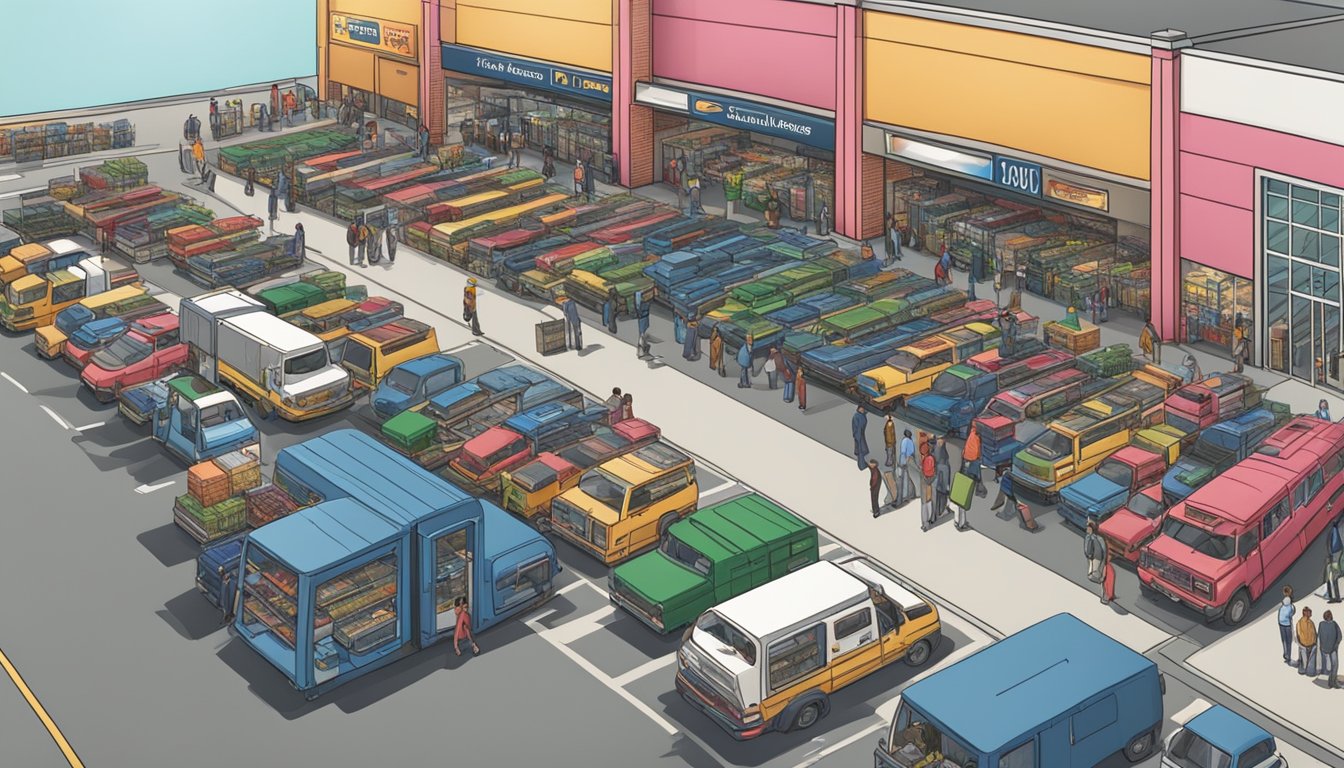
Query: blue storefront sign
x=772, y=121
x=364, y=31
x=1019, y=176
x=533, y=74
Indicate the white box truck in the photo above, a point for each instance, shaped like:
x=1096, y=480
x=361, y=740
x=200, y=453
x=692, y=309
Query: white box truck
x=281, y=369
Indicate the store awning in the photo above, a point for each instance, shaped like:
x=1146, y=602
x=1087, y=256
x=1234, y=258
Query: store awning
x=756, y=117
x=526, y=72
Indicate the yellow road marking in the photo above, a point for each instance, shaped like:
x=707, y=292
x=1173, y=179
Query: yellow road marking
x=41, y=713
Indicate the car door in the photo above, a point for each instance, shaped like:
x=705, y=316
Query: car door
x=1278, y=542
x=855, y=648
x=890, y=623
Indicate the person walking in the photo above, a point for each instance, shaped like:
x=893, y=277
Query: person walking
x=589, y=183
x=578, y=178
x=889, y=439
x=970, y=460
x=573, y=325
x=298, y=245
x=1107, y=581
x=690, y=346
x=928, y=471
x=548, y=163
x=227, y=593
x=1104, y=297
x=352, y=240
x=895, y=230
x=363, y=242
x=1021, y=275
x=393, y=231
x=1306, y=644
x=874, y=485
x=787, y=374
x=1322, y=411
x=904, y=460
x=1149, y=341
x=1240, y=346
x=942, y=487
x=1094, y=549
x=1334, y=565
x=771, y=368
x=615, y=406
x=198, y=156
x=1192, y=365
x=824, y=220
x=858, y=428
x=291, y=104
x=1327, y=640
x=716, y=352
x=272, y=208
x=424, y=143
x=610, y=308
x=469, y=310
x=889, y=240
x=744, y=365
x=970, y=285
x=214, y=119
x=643, y=347
x=802, y=389
x=462, y=631
x=1286, y=611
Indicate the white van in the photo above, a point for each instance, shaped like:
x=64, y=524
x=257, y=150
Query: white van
x=771, y=658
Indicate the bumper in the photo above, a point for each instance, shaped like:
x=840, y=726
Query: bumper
x=76, y=357
x=103, y=394
x=736, y=730
x=939, y=422
x=132, y=415
x=294, y=414
x=644, y=618
x=1075, y=515
x=581, y=543
x=18, y=326
x=1149, y=580
x=475, y=486
x=1034, y=488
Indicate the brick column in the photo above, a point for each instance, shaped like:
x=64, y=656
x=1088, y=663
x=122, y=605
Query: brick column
x=431, y=72
x=848, y=121
x=1164, y=179
x=631, y=123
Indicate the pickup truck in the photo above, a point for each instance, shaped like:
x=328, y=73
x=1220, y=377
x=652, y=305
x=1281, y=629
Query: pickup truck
x=1102, y=492
x=414, y=382
x=961, y=392
x=1135, y=524
x=33, y=301
x=1216, y=449
x=124, y=303
x=528, y=490
x=914, y=367
x=194, y=420
x=1004, y=423
x=1216, y=397
x=151, y=348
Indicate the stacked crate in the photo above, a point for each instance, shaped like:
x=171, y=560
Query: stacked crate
x=266, y=504
x=214, y=505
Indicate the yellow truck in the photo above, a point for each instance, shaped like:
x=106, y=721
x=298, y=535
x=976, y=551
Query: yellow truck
x=96, y=313
x=32, y=301
x=913, y=368
x=39, y=258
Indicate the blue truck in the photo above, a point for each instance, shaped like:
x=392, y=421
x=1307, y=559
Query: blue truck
x=1058, y=693
x=414, y=382
x=1217, y=448
x=370, y=571
x=194, y=419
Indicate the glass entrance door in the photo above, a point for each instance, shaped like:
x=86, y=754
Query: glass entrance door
x=445, y=575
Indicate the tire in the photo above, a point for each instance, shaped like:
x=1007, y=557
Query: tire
x=1238, y=608
x=919, y=654
x=808, y=715
x=1141, y=747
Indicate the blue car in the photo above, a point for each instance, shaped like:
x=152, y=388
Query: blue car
x=1220, y=738
x=1218, y=448
x=414, y=382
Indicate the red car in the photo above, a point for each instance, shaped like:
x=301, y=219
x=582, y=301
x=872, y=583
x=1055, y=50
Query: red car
x=1135, y=524
x=150, y=349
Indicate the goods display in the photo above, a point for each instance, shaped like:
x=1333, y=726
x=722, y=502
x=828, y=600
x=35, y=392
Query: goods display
x=266, y=504
x=40, y=217
x=270, y=155
x=1076, y=340
x=1107, y=361
x=551, y=337
x=207, y=523
x=219, y=498
x=49, y=141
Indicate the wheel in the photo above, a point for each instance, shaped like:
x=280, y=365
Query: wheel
x=919, y=654
x=1238, y=608
x=666, y=522
x=1141, y=747
x=807, y=716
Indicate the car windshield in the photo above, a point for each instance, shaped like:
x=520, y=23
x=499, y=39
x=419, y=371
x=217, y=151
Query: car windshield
x=18, y=299
x=949, y=385
x=1116, y=472
x=1050, y=445
x=1188, y=750
x=1200, y=540
x=680, y=552
x=1145, y=505
x=1180, y=422
x=402, y=381
x=903, y=361
x=604, y=488
x=1005, y=409
x=915, y=741
x=731, y=637
x=126, y=350
x=308, y=362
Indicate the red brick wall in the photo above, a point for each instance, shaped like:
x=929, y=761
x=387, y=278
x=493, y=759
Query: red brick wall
x=642, y=119
x=870, y=196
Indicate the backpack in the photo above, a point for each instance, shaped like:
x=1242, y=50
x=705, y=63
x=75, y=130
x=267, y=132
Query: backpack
x=578, y=173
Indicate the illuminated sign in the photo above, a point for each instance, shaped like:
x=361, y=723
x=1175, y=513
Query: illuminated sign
x=533, y=74
x=388, y=36
x=1072, y=193
x=979, y=166
x=761, y=118
x=1017, y=175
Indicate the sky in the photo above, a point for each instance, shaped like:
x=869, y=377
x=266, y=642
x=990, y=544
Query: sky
x=70, y=54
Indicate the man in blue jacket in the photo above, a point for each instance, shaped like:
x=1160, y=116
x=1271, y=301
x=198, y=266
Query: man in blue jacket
x=744, y=362
x=642, y=347
x=573, y=325
x=858, y=426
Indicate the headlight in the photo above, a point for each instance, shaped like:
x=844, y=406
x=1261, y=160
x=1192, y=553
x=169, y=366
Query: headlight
x=1203, y=587
x=289, y=401
x=751, y=714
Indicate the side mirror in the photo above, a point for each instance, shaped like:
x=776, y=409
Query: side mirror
x=882, y=744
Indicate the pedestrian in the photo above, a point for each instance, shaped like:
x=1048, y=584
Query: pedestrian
x=858, y=428
x=904, y=460
x=627, y=407
x=283, y=190
x=352, y=240
x=889, y=240
x=469, y=310
x=548, y=163
x=1286, y=611
x=970, y=285
x=262, y=118
x=690, y=349
x=696, y=207
x=787, y=374
x=1149, y=341
x=970, y=460
x=775, y=366
x=573, y=326
x=1323, y=410
x=802, y=389
x=1107, y=581
x=889, y=439
x=198, y=155
x=1105, y=299
x=291, y=105
x=393, y=231
x=1327, y=640
x=874, y=485
x=615, y=406
x=1334, y=565
x=942, y=479
x=424, y=143
x=642, y=346
x=463, y=629
x=298, y=244
x=1192, y=365
x=1240, y=346
x=928, y=471
x=896, y=236
x=945, y=261
x=226, y=594
x=824, y=220
x=744, y=364
x=716, y=352
x=939, y=275
x=610, y=309
x=1306, y=644
x=214, y=119
x=589, y=183
x=1021, y=275
x=1094, y=549
x=272, y=208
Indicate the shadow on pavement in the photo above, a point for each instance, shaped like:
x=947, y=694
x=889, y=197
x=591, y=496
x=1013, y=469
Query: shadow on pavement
x=169, y=545
x=192, y=616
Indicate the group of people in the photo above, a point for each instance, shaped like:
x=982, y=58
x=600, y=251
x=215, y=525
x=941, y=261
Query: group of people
x=777, y=367
x=368, y=242
x=611, y=308
x=1317, y=644
x=620, y=406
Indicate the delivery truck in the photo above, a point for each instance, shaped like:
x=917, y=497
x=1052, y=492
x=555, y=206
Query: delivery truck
x=280, y=369
x=32, y=301
x=371, y=572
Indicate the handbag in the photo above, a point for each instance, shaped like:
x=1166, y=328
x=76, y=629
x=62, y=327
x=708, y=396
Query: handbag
x=963, y=488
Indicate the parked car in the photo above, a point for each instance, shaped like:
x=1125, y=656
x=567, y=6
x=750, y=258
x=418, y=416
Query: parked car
x=1217, y=449
x=149, y=350
x=1096, y=496
x=1135, y=524
x=1220, y=738
x=414, y=382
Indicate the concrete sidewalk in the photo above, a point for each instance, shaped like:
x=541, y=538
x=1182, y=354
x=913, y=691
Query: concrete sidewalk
x=1003, y=590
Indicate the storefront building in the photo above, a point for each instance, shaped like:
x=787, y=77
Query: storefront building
x=756, y=98
x=369, y=54
x=1012, y=146
x=1260, y=184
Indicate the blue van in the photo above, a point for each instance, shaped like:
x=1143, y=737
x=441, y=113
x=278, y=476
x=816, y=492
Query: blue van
x=1220, y=738
x=1059, y=693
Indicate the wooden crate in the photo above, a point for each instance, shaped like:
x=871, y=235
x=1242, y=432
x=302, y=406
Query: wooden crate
x=1077, y=342
x=208, y=484
x=242, y=469
x=551, y=337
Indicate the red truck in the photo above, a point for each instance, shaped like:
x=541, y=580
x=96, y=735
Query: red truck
x=1135, y=524
x=150, y=349
x=1213, y=399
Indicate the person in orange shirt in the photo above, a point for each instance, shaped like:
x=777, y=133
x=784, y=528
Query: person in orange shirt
x=469, y=307
x=929, y=469
x=970, y=461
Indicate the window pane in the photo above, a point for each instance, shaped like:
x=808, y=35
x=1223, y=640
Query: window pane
x=1330, y=285
x=1301, y=278
x=1330, y=250
x=1306, y=213
x=1305, y=193
x=1276, y=186
x=1330, y=219
x=1328, y=199
x=1276, y=207
x=1305, y=244
x=1094, y=718
x=1022, y=757
x=1277, y=269
x=1276, y=237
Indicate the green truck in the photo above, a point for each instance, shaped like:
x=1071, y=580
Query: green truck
x=710, y=556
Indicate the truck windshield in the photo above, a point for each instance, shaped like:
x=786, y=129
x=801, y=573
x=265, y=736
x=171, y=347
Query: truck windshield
x=1206, y=543
x=604, y=488
x=1188, y=750
x=914, y=741
x=730, y=636
x=18, y=299
x=402, y=381
x=949, y=385
x=680, y=552
x=1145, y=505
x=904, y=361
x=1050, y=445
x=306, y=363
x=1007, y=410
x=1117, y=473
x=123, y=352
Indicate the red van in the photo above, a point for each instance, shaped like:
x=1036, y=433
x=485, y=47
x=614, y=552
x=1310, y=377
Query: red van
x=1229, y=541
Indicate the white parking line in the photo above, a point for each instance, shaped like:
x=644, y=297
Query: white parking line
x=582, y=626
x=1186, y=715
x=87, y=427
x=15, y=382
x=603, y=678
x=56, y=417
x=147, y=488
x=582, y=582
x=827, y=549
x=839, y=745
x=646, y=668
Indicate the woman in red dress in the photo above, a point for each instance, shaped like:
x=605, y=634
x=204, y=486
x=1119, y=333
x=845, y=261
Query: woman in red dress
x=463, y=629
x=1107, y=580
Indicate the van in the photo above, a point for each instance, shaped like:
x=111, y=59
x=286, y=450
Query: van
x=771, y=659
x=1058, y=693
x=626, y=504
x=713, y=555
x=370, y=354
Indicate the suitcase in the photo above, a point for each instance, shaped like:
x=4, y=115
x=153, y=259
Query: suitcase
x=963, y=490
x=1028, y=520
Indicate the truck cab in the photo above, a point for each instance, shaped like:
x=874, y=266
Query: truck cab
x=32, y=301
x=1220, y=738
x=195, y=420
x=522, y=436
x=1074, y=443
x=1135, y=524
x=913, y=368
x=1002, y=423
x=151, y=348
x=39, y=259
x=961, y=392
x=414, y=382
x=1216, y=397
x=1096, y=496
x=1217, y=449
x=1164, y=440
x=370, y=354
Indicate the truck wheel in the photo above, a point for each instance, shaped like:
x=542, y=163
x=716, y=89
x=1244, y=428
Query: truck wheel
x=807, y=716
x=919, y=654
x=1238, y=608
x=1141, y=747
